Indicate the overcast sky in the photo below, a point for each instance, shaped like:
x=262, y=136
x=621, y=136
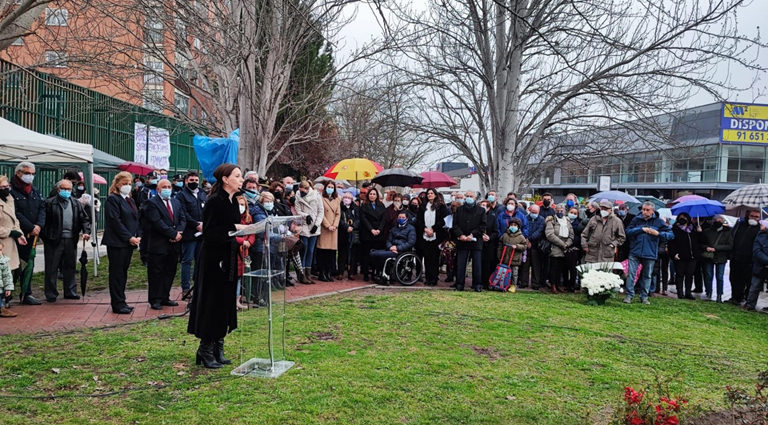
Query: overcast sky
x=365, y=27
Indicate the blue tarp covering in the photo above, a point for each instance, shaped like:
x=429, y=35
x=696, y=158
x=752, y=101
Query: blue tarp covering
x=212, y=152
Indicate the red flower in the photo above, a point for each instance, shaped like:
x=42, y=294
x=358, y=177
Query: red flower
x=631, y=396
x=672, y=420
x=636, y=421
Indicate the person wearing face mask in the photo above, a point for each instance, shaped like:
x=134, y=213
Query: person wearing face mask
x=717, y=243
x=469, y=225
x=309, y=204
x=65, y=220
x=328, y=241
x=245, y=243
x=683, y=249
x=511, y=247
x=277, y=189
x=393, y=210
x=178, y=184
x=744, y=233
x=348, y=235
x=401, y=238
x=192, y=199
x=547, y=209
x=30, y=212
x=533, y=271
x=10, y=230
x=602, y=235
x=644, y=233
x=121, y=236
x=164, y=224
x=430, y=231
x=574, y=253
x=622, y=212
x=149, y=189
x=559, y=232
x=372, y=223
x=511, y=209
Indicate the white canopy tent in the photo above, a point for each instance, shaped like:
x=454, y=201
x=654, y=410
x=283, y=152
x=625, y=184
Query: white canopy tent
x=18, y=144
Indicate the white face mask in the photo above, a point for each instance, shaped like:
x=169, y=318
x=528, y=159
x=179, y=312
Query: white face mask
x=125, y=189
x=510, y=207
x=28, y=178
x=752, y=222
x=242, y=209
x=604, y=213
x=398, y=204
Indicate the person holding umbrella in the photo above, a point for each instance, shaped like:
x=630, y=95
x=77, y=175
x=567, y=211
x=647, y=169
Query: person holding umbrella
x=717, y=244
x=744, y=233
x=31, y=215
x=65, y=220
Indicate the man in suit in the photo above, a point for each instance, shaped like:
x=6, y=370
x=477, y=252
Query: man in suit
x=469, y=226
x=164, y=222
x=192, y=200
x=65, y=219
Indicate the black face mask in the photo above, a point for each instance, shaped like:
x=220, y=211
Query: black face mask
x=559, y=215
x=546, y=202
x=192, y=185
x=717, y=225
x=292, y=199
x=4, y=193
x=682, y=221
x=278, y=195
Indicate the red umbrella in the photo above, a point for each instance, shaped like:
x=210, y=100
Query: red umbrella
x=136, y=168
x=436, y=179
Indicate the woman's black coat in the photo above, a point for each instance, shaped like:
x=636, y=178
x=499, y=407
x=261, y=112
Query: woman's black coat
x=212, y=313
x=371, y=219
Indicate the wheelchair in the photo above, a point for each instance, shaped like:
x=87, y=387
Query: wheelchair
x=405, y=269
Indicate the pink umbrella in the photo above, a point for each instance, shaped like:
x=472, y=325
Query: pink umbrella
x=436, y=179
x=97, y=179
x=687, y=198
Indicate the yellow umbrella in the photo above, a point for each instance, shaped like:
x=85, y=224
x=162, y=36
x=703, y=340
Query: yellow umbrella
x=353, y=169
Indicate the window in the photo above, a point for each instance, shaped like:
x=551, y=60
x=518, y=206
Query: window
x=181, y=30
x=153, y=97
x=197, y=43
x=153, y=31
x=181, y=103
x=154, y=71
x=56, y=17
x=55, y=59
x=18, y=42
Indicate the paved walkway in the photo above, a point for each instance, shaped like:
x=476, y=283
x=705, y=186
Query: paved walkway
x=95, y=311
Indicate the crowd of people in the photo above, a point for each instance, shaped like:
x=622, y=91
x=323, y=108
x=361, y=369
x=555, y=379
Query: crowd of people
x=345, y=233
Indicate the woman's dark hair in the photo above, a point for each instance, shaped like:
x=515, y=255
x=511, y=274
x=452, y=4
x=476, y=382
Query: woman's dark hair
x=438, y=199
x=223, y=170
x=334, y=195
x=508, y=200
x=685, y=216
x=368, y=194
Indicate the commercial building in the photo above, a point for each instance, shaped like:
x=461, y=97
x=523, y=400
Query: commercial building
x=709, y=150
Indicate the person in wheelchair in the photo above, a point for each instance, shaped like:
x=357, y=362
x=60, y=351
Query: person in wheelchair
x=402, y=238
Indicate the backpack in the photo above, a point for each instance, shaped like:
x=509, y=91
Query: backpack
x=501, y=279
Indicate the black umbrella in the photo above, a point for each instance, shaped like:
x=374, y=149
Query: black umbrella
x=83, y=270
x=399, y=177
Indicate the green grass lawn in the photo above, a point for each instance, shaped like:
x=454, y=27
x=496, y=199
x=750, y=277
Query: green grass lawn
x=421, y=357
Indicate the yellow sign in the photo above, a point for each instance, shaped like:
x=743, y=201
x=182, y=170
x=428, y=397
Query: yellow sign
x=744, y=123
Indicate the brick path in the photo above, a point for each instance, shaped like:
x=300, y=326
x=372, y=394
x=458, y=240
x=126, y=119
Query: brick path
x=95, y=311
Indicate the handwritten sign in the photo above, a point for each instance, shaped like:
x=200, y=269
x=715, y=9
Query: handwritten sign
x=159, y=146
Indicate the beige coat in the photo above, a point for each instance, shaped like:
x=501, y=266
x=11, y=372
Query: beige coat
x=552, y=232
x=331, y=214
x=602, y=237
x=8, y=222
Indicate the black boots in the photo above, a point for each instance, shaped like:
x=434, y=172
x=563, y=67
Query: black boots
x=218, y=352
x=205, y=355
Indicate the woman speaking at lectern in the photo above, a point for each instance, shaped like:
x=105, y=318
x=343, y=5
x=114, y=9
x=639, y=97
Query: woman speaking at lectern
x=212, y=313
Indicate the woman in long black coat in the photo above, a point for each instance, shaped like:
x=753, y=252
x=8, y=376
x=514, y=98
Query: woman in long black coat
x=430, y=229
x=212, y=313
x=372, y=226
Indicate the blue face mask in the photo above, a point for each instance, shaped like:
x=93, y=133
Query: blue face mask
x=572, y=216
x=469, y=201
x=569, y=203
x=402, y=221
x=622, y=213
x=559, y=215
x=513, y=229
x=165, y=193
x=329, y=190
x=460, y=201
x=491, y=198
x=139, y=184
x=534, y=216
x=269, y=205
x=153, y=181
x=250, y=194
x=65, y=194
x=671, y=221
x=179, y=184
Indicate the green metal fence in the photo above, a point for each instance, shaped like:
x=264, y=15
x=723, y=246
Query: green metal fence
x=50, y=105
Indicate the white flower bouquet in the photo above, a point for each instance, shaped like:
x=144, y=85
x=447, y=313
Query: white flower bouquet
x=600, y=285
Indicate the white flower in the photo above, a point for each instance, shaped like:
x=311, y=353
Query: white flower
x=598, y=282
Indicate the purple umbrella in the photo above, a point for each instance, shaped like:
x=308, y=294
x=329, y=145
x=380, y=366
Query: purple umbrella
x=687, y=198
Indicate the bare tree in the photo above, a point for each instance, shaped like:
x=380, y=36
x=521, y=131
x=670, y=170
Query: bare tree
x=506, y=81
x=17, y=19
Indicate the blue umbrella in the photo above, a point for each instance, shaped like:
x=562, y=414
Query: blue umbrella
x=613, y=196
x=699, y=208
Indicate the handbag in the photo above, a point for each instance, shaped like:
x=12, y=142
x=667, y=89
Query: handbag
x=545, y=246
x=501, y=279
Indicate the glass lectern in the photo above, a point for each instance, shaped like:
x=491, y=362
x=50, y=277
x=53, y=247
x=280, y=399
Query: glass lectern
x=264, y=285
